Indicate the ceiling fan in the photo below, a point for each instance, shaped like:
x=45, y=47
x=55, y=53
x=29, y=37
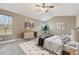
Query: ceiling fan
x=45, y=7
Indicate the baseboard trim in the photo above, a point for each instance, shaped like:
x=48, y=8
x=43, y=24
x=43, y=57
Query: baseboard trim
x=8, y=41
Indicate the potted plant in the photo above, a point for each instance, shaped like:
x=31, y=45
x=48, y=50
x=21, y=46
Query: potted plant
x=45, y=28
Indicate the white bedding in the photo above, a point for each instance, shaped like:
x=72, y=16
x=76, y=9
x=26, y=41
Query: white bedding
x=54, y=44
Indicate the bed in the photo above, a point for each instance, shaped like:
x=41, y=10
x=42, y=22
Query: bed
x=57, y=43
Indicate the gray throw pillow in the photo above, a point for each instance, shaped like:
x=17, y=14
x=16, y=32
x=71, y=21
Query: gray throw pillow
x=66, y=40
x=71, y=43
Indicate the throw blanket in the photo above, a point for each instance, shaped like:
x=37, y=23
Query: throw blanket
x=54, y=44
x=41, y=40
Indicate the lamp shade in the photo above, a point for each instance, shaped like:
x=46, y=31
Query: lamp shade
x=75, y=35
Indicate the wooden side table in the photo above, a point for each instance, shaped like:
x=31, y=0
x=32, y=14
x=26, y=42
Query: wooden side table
x=35, y=34
x=71, y=50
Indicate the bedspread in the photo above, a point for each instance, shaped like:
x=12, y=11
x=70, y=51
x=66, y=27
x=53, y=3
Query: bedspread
x=54, y=44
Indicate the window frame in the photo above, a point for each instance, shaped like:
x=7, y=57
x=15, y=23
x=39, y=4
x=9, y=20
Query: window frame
x=11, y=25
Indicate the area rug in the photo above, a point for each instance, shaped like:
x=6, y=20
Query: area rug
x=30, y=48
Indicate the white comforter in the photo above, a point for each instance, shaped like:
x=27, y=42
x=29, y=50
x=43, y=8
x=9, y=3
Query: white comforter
x=54, y=44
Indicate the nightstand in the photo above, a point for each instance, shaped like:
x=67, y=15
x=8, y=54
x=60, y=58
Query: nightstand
x=71, y=50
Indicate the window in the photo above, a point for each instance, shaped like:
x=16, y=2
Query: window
x=5, y=24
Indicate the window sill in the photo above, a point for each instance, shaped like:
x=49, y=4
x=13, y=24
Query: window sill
x=2, y=34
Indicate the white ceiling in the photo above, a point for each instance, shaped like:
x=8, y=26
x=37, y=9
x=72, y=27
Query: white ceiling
x=29, y=9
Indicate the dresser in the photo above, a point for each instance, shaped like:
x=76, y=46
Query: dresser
x=30, y=34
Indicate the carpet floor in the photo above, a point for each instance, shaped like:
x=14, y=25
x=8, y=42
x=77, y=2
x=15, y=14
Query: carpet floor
x=12, y=48
x=30, y=48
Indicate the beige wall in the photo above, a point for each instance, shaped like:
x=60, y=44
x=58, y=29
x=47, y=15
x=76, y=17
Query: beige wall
x=77, y=21
x=18, y=23
x=37, y=25
x=70, y=22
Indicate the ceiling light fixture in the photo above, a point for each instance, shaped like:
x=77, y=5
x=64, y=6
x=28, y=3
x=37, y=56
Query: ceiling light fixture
x=45, y=7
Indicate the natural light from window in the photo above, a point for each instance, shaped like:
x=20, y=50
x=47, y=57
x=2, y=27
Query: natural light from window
x=5, y=24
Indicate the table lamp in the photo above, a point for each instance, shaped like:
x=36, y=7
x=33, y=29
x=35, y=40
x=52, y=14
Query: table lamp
x=75, y=37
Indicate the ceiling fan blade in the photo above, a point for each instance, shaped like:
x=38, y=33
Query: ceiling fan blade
x=38, y=6
x=50, y=6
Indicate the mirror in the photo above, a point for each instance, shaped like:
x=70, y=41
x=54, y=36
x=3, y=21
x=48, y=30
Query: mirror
x=28, y=24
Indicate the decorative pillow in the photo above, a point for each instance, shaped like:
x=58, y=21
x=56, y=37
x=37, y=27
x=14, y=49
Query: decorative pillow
x=66, y=40
x=71, y=43
x=63, y=37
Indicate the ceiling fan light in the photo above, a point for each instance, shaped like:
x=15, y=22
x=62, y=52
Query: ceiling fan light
x=44, y=9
